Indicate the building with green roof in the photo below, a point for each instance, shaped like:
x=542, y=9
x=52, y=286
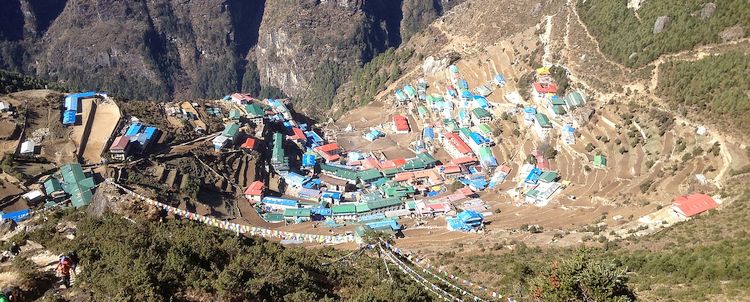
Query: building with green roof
x=273, y=217
x=549, y=176
x=543, y=120
x=362, y=208
x=414, y=164
x=485, y=129
x=52, y=185
x=600, y=161
x=422, y=111
x=77, y=184
x=555, y=101
x=231, y=130
x=369, y=175
x=349, y=175
x=254, y=110
x=574, y=99
x=382, y=205
x=398, y=191
x=348, y=208
x=559, y=110
x=391, y=172
x=451, y=125
x=298, y=214
x=255, y=113
x=234, y=114
x=427, y=159
x=279, y=160
x=481, y=115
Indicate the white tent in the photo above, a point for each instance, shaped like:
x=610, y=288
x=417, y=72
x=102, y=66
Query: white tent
x=28, y=147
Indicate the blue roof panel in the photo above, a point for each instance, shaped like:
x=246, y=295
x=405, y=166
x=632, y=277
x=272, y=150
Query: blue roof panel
x=280, y=201
x=133, y=129
x=69, y=117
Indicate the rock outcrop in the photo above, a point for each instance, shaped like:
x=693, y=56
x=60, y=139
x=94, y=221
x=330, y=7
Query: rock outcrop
x=732, y=33
x=163, y=49
x=708, y=10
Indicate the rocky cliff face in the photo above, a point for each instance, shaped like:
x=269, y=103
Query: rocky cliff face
x=162, y=49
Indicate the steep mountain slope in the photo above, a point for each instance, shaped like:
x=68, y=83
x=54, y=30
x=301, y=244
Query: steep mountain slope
x=168, y=48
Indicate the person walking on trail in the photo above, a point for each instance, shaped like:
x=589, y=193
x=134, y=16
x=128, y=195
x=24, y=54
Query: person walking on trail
x=10, y=294
x=15, y=249
x=73, y=256
x=63, y=269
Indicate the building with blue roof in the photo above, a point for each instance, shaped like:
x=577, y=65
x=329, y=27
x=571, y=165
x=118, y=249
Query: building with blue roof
x=133, y=129
x=309, y=160
x=331, y=197
x=411, y=93
x=400, y=96
x=371, y=217
x=16, y=216
x=277, y=204
x=313, y=139
x=295, y=180
x=428, y=134
x=143, y=135
x=465, y=221
x=388, y=224
x=321, y=211
x=499, y=80
x=69, y=117
x=481, y=101
x=529, y=113
x=568, y=134
x=373, y=134
x=463, y=84
x=533, y=177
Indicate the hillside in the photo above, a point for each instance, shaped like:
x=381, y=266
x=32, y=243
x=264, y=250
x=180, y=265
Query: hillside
x=163, y=49
x=635, y=40
x=148, y=260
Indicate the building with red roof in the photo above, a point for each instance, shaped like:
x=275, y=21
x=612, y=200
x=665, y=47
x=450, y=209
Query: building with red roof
x=249, y=144
x=400, y=124
x=455, y=146
x=544, y=89
x=693, y=204
x=467, y=160
x=451, y=169
x=254, y=191
x=298, y=135
x=119, y=148
x=330, y=152
x=392, y=163
x=240, y=98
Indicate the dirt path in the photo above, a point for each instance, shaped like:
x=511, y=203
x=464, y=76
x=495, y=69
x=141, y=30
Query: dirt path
x=103, y=125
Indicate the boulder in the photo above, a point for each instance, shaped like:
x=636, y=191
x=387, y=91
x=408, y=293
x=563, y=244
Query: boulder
x=7, y=226
x=431, y=65
x=708, y=10
x=732, y=33
x=537, y=10
x=661, y=24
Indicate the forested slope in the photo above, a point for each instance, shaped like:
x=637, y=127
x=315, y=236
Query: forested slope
x=627, y=35
x=714, y=89
x=144, y=260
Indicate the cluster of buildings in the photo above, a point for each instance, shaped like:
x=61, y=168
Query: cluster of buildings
x=71, y=185
x=336, y=185
x=136, y=138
